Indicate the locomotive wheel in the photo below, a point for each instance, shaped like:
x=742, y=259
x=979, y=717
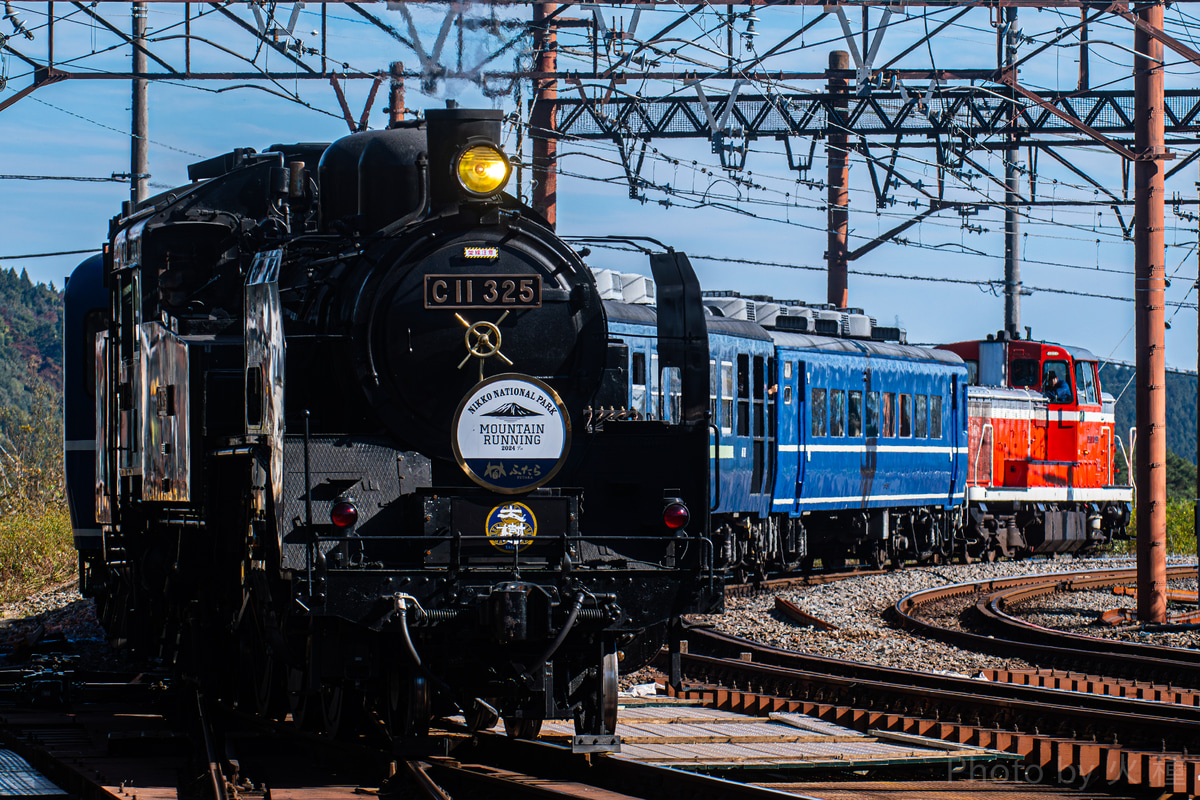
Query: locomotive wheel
x=522, y=728
x=306, y=713
x=342, y=710
x=270, y=697
x=407, y=699
x=481, y=716
x=597, y=716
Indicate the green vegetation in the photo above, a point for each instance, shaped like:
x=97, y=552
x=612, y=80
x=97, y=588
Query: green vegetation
x=1181, y=489
x=35, y=529
x=31, y=340
x=1181, y=408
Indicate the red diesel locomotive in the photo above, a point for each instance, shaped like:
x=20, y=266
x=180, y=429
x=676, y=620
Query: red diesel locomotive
x=1041, y=450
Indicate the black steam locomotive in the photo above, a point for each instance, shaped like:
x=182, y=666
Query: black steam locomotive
x=351, y=453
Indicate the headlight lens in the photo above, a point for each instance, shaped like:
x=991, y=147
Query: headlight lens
x=483, y=170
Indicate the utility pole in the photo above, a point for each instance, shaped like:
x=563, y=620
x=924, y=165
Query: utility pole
x=1149, y=296
x=543, y=121
x=1196, y=503
x=139, y=178
x=396, y=95
x=837, y=143
x=1012, y=224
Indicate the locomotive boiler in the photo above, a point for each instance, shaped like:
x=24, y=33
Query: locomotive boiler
x=349, y=437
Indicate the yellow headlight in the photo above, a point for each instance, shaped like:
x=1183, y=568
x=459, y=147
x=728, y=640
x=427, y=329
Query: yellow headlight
x=483, y=170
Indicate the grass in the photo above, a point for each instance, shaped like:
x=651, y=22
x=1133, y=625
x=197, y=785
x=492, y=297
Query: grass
x=1181, y=531
x=35, y=550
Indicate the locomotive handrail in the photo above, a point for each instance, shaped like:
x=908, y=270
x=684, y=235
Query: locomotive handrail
x=1125, y=455
x=987, y=428
x=716, y=466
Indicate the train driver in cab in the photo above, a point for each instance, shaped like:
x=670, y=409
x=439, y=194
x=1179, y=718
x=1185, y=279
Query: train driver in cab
x=1055, y=389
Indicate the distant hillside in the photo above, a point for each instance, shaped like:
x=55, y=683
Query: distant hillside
x=31, y=338
x=1181, y=407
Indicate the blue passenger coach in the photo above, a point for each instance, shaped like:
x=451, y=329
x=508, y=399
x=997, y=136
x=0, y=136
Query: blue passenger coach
x=86, y=313
x=870, y=441
x=826, y=440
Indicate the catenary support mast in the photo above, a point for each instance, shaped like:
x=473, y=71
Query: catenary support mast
x=1012, y=225
x=838, y=157
x=544, y=170
x=139, y=167
x=1149, y=291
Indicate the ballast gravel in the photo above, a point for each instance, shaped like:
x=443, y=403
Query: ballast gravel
x=59, y=619
x=860, y=608
x=51, y=627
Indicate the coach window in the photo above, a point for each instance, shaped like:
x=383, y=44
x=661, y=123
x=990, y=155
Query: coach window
x=652, y=394
x=920, y=416
x=854, y=414
x=759, y=389
x=1085, y=382
x=887, y=415
x=726, y=397
x=637, y=369
x=713, y=377
x=906, y=415
x=872, y=414
x=743, y=393
x=671, y=399
x=1023, y=373
x=837, y=412
x=935, y=417
x=972, y=372
x=819, y=411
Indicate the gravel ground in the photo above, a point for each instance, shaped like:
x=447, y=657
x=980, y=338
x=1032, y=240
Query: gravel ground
x=1079, y=612
x=865, y=633
x=58, y=623
x=51, y=628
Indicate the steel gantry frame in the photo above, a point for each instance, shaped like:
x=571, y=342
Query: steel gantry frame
x=955, y=112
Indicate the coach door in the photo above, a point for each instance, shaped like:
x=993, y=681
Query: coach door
x=802, y=432
x=759, y=437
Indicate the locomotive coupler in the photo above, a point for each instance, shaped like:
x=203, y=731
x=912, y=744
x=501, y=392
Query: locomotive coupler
x=518, y=611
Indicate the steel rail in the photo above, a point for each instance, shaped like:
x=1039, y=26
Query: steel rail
x=992, y=607
x=611, y=773
x=790, y=582
x=1052, y=714
x=1164, y=664
x=717, y=656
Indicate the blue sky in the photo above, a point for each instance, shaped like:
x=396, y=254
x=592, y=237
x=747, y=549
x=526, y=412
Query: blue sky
x=80, y=128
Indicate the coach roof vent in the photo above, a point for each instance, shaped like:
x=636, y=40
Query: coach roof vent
x=638, y=289
x=795, y=324
x=766, y=313
x=731, y=307
x=857, y=325
x=889, y=334
x=610, y=284
x=792, y=317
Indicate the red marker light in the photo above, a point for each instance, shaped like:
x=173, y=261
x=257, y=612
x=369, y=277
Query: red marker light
x=343, y=514
x=676, y=515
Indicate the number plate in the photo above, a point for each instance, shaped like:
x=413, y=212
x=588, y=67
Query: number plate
x=483, y=291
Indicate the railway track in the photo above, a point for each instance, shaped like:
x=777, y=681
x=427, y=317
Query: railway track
x=929, y=612
x=1118, y=726
x=1122, y=737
